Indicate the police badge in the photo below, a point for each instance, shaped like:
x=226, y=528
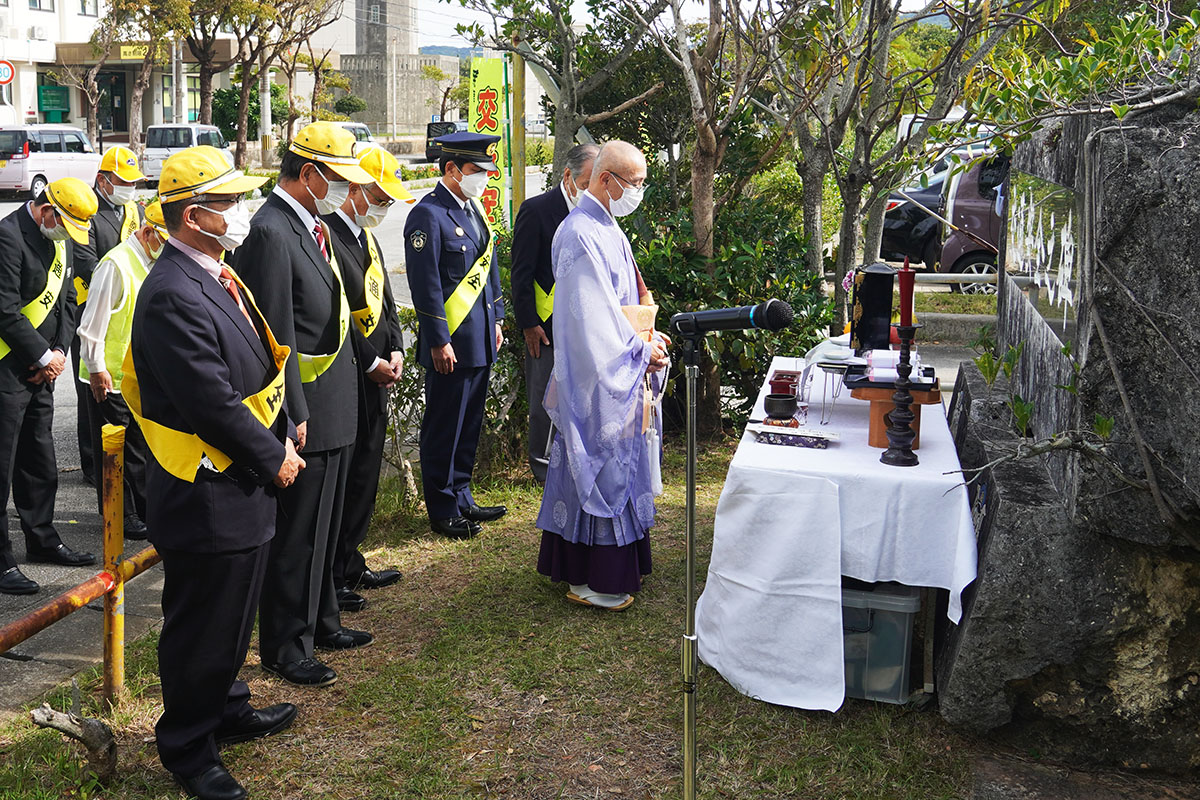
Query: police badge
x=418, y=239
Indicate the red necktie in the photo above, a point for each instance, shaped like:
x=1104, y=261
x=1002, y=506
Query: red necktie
x=231, y=286
x=319, y=233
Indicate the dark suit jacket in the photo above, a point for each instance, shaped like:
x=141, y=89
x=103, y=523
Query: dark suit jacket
x=446, y=251
x=386, y=337
x=196, y=358
x=298, y=294
x=25, y=259
x=537, y=220
x=105, y=234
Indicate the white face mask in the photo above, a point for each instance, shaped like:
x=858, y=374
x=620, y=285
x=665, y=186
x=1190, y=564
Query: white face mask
x=373, y=217
x=573, y=193
x=335, y=195
x=237, y=225
x=473, y=185
x=628, y=202
x=56, y=234
x=156, y=252
x=120, y=195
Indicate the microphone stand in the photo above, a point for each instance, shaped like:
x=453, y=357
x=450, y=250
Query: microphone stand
x=689, y=653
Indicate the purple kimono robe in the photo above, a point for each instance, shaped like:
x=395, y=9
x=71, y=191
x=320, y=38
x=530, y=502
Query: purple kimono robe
x=599, y=483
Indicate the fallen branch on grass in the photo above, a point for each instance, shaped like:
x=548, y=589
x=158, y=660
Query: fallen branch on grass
x=95, y=735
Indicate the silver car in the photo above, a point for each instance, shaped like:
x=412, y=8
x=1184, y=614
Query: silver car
x=32, y=156
x=163, y=141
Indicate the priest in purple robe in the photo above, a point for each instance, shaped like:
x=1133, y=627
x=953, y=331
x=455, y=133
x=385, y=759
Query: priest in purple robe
x=598, y=503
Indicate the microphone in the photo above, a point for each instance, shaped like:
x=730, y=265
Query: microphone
x=771, y=315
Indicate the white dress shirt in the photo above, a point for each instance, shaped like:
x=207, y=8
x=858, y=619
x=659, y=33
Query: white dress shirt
x=105, y=295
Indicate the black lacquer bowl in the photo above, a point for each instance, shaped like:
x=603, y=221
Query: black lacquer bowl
x=780, y=406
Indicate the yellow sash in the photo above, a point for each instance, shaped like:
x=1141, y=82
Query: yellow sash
x=367, y=318
x=181, y=453
x=463, y=298
x=312, y=367
x=128, y=226
x=545, y=302
x=39, y=307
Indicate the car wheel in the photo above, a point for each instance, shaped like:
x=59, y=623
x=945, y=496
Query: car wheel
x=976, y=264
x=37, y=186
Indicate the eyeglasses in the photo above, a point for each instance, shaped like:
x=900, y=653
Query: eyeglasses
x=384, y=203
x=639, y=185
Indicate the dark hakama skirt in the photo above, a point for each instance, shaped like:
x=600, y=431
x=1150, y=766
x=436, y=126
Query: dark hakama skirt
x=605, y=568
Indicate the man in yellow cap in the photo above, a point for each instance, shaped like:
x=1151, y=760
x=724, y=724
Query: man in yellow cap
x=204, y=379
x=117, y=217
x=289, y=264
x=104, y=330
x=380, y=348
x=36, y=325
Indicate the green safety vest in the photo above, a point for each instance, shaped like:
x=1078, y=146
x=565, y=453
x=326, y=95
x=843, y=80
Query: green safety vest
x=128, y=226
x=37, y=309
x=131, y=272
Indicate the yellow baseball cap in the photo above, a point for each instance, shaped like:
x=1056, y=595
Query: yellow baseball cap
x=385, y=171
x=75, y=203
x=202, y=169
x=333, y=146
x=154, y=218
x=123, y=163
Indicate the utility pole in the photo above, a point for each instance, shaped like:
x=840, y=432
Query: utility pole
x=177, y=79
x=264, y=109
x=518, y=130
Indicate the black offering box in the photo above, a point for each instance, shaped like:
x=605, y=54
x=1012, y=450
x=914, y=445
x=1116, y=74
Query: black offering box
x=871, y=308
x=856, y=378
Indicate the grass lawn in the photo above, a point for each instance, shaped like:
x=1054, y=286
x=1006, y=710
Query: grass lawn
x=485, y=683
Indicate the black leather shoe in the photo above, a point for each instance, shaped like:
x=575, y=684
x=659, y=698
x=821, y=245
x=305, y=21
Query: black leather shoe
x=345, y=639
x=215, y=783
x=376, y=580
x=456, y=527
x=13, y=581
x=484, y=513
x=61, y=555
x=305, y=672
x=262, y=722
x=350, y=601
x=135, y=528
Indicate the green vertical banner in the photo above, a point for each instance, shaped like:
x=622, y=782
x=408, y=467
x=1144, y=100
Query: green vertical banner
x=488, y=113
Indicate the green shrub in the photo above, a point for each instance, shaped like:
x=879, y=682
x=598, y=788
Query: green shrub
x=272, y=176
x=538, y=152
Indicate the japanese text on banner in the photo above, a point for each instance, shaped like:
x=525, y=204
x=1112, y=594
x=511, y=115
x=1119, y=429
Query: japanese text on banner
x=488, y=114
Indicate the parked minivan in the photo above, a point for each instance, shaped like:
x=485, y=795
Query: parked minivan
x=162, y=141
x=361, y=132
x=32, y=156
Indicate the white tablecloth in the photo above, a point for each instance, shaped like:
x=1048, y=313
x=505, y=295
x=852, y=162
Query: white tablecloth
x=791, y=521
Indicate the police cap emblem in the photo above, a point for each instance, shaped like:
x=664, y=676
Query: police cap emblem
x=418, y=239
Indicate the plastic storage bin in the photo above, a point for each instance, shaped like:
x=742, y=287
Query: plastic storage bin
x=877, y=627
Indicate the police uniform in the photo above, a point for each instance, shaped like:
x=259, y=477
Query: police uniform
x=111, y=225
x=378, y=336
x=204, y=378
x=36, y=318
x=455, y=287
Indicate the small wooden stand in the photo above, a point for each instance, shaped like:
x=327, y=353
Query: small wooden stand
x=882, y=405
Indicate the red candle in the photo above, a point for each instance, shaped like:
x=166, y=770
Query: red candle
x=907, y=279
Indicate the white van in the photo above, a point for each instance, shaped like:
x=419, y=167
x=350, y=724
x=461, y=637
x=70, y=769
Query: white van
x=32, y=156
x=361, y=132
x=162, y=141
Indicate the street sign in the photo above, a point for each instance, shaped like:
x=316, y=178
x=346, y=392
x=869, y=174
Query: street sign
x=436, y=118
x=7, y=72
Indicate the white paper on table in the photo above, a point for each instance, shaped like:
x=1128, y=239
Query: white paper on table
x=766, y=581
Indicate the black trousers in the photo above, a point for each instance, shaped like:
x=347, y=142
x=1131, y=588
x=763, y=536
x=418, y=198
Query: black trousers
x=454, y=407
x=537, y=375
x=299, y=599
x=113, y=411
x=208, y=603
x=83, y=423
x=362, y=484
x=28, y=469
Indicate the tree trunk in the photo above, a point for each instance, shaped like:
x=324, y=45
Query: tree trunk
x=243, y=120
x=849, y=247
x=206, y=92
x=566, y=125
x=92, y=90
x=140, y=84
x=873, y=238
x=812, y=177
x=704, y=177
x=673, y=176
x=318, y=87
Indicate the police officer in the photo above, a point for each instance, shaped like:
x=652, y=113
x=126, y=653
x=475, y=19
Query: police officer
x=36, y=324
x=117, y=217
x=380, y=349
x=104, y=331
x=289, y=264
x=204, y=378
x=455, y=289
